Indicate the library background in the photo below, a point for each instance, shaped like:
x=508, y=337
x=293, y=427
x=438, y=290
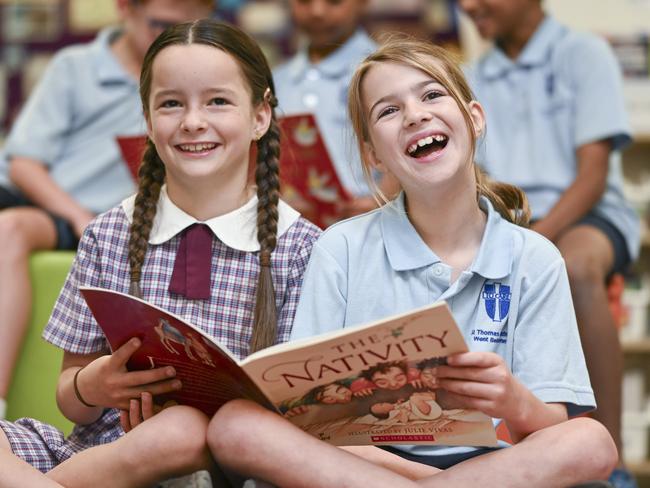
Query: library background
x=32, y=30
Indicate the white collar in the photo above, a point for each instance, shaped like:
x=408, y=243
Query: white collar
x=236, y=229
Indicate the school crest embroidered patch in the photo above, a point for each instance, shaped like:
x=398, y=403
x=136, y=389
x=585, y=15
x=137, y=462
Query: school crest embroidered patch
x=497, y=300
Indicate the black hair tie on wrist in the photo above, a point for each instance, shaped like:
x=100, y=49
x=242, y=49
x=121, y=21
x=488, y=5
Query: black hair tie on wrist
x=76, y=390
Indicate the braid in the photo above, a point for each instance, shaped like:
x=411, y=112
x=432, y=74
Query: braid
x=151, y=177
x=267, y=178
x=510, y=201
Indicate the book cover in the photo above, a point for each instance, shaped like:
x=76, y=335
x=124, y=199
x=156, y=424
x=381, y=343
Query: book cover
x=306, y=168
x=132, y=149
x=372, y=384
x=209, y=372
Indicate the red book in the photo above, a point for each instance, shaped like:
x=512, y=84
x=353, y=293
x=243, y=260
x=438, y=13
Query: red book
x=132, y=149
x=307, y=170
x=210, y=373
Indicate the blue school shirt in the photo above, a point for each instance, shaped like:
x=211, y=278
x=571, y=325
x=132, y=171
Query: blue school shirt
x=82, y=102
x=322, y=89
x=564, y=90
x=376, y=265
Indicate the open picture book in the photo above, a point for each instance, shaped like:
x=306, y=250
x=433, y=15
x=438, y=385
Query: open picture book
x=306, y=169
x=372, y=384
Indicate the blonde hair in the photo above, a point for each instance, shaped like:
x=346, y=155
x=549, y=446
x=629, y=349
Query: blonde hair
x=442, y=66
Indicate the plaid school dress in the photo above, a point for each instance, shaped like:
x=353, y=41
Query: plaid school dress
x=227, y=315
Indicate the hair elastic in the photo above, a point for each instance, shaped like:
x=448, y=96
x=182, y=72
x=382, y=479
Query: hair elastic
x=265, y=258
x=76, y=390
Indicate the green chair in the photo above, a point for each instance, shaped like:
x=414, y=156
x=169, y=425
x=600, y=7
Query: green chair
x=33, y=387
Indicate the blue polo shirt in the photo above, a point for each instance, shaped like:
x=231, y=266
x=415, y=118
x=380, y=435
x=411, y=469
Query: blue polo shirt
x=564, y=90
x=322, y=89
x=83, y=101
x=376, y=265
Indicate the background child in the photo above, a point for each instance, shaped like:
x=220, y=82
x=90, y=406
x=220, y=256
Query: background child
x=554, y=134
x=449, y=236
x=316, y=80
x=208, y=95
x=61, y=164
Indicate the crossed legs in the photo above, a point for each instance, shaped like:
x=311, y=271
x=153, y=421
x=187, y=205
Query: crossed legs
x=170, y=444
x=275, y=451
x=14, y=472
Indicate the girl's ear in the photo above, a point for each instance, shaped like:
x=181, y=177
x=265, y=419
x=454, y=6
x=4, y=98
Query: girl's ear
x=371, y=158
x=262, y=120
x=478, y=117
x=149, y=126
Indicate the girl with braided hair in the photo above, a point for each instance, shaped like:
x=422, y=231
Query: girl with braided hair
x=197, y=239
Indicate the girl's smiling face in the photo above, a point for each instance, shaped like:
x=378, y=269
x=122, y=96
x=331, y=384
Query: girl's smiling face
x=201, y=118
x=416, y=129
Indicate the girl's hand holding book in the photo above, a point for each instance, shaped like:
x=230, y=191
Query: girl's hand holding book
x=106, y=381
x=482, y=381
x=139, y=410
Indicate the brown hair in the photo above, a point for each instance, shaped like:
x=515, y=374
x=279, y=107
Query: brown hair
x=257, y=73
x=443, y=67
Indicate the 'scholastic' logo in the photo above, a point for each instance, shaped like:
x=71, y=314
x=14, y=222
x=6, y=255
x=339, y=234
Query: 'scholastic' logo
x=497, y=300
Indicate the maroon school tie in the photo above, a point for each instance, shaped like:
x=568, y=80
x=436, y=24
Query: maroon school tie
x=192, y=268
